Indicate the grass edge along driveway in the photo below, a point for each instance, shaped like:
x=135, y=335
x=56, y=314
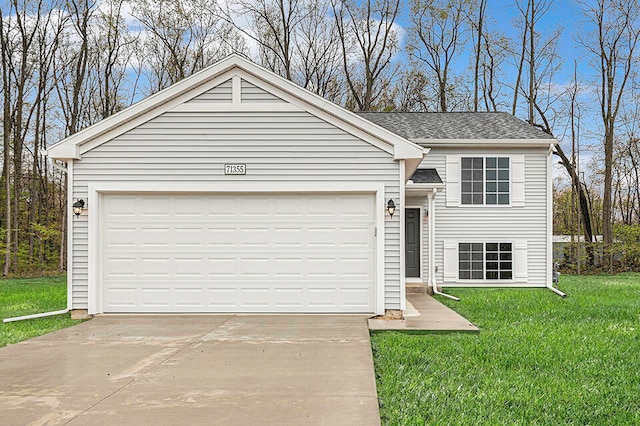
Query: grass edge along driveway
x=538, y=359
x=25, y=296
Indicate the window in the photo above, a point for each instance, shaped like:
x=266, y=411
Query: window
x=485, y=180
x=490, y=261
x=471, y=264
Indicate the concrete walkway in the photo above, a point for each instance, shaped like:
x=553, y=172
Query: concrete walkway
x=424, y=313
x=193, y=369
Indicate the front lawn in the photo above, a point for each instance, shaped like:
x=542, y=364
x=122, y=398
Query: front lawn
x=538, y=359
x=31, y=296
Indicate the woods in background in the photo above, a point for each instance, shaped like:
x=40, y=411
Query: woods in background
x=66, y=64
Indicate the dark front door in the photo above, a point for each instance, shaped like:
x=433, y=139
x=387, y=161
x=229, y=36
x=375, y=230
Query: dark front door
x=412, y=242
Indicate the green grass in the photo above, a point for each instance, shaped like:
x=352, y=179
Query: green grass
x=30, y=296
x=538, y=359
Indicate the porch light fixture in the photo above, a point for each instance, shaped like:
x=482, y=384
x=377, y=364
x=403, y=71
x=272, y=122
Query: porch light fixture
x=391, y=207
x=78, y=206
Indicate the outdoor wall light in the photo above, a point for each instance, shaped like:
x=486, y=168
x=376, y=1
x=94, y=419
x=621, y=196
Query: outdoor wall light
x=78, y=206
x=391, y=207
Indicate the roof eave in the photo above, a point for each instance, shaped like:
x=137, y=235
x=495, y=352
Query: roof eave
x=485, y=143
x=63, y=152
x=422, y=189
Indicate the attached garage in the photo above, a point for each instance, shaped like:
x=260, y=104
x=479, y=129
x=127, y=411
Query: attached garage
x=269, y=252
x=235, y=190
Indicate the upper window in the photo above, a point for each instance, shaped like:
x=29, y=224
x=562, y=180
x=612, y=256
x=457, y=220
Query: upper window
x=485, y=180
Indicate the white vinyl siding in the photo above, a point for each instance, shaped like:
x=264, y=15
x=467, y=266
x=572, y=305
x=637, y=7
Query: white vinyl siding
x=524, y=224
x=219, y=94
x=253, y=93
x=189, y=147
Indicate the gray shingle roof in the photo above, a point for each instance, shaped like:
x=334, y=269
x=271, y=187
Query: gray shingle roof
x=455, y=125
x=426, y=176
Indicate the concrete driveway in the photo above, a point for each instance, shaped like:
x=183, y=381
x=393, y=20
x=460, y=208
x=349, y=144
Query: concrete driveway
x=193, y=369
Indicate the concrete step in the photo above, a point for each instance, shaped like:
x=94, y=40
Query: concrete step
x=415, y=288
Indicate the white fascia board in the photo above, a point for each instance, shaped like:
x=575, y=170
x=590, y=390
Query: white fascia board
x=422, y=189
x=167, y=104
x=487, y=143
x=147, y=107
x=411, y=165
x=63, y=152
x=181, y=91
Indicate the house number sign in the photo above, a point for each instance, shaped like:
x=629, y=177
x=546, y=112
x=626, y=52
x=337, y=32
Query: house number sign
x=235, y=169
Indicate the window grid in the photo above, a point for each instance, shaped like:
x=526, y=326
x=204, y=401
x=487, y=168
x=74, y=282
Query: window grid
x=490, y=261
x=499, y=261
x=497, y=180
x=485, y=181
x=472, y=180
x=470, y=258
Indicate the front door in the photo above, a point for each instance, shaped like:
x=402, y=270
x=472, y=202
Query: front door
x=412, y=242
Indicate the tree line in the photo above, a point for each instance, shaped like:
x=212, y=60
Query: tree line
x=67, y=64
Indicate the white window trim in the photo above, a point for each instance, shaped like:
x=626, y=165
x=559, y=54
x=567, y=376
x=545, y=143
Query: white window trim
x=484, y=181
x=484, y=260
x=96, y=191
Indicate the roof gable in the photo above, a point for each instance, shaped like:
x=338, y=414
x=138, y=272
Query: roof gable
x=234, y=84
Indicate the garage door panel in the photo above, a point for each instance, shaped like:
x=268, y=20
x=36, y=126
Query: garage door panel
x=356, y=238
x=220, y=237
x=153, y=237
x=161, y=265
x=271, y=253
x=189, y=239
x=222, y=268
x=158, y=267
x=239, y=297
x=155, y=298
x=189, y=297
x=152, y=207
x=253, y=237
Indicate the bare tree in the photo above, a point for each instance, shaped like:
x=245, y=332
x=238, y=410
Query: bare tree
x=530, y=15
x=110, y=56
x=437, y=33
x=48, y=37
x=478, y=27
x=182, y=37
x=493, y=57
x=410, y=91
x=369, y=41
x=274, y=26
x=616, y=29
x=318, y=54
x=6, y=47
x=20, y=37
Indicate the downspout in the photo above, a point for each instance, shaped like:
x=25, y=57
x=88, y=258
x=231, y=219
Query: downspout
x=555, y=290
x=432, y=247
x=43, y=314
x=550, y=223
x=32, y=316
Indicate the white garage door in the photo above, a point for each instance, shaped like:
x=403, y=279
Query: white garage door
x=238, y=253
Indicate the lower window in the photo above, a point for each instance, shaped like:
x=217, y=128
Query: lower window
x=489, y=261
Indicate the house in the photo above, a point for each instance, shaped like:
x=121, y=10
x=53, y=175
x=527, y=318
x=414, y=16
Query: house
x=236, y=190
